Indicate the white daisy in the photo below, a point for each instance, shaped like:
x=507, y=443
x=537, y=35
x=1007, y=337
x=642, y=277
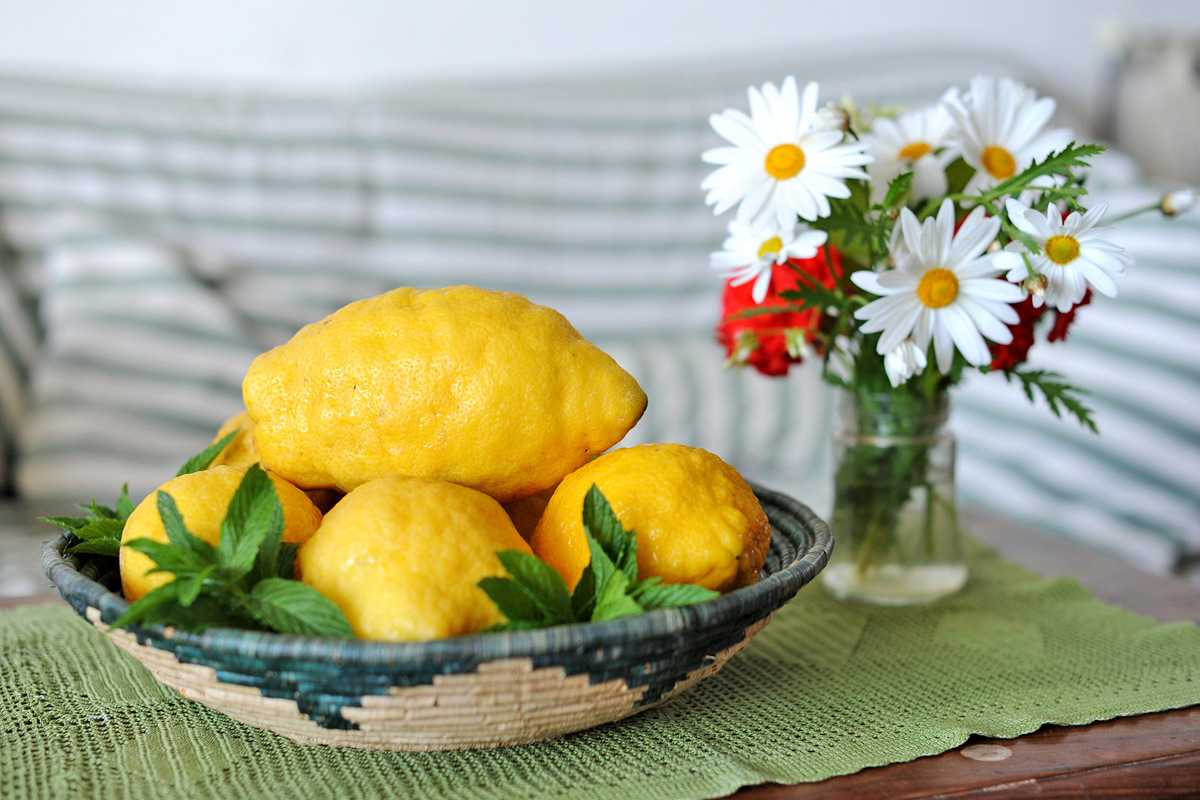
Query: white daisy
x=784, y=163
x=1000, y=129
x=1074, y=254
x=916, y=141
x=904, y=361
x=751, y=253
x=943, y=288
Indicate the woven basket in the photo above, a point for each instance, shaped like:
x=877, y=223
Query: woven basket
x=487, y=690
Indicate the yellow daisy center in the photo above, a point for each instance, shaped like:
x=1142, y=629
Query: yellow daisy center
x=1062, y=249
x=772, y=245
x=938, y=288
x=999, y=162
x=914, y=150
x=784, y=161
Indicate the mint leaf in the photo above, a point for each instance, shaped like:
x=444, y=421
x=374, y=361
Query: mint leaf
x=253, y=525
x=583, y=599
x=601, y=522
x=124, y=504
x=98, y=547
x=177, y=533
x=652, y=593
x=168, y=557
x=189, y=588
x=147, y=603
x=541, y=583
x=296, y=608
x=285, y=561
x=103, y=528
x=204, y=458
x=514, y=603
x=100, y=512
x=612, y=601
x=69, y=524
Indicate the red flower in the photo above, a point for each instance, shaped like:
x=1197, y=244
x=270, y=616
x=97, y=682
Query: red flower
x=1008, y=356
x=1063, y=319
x=770, y=356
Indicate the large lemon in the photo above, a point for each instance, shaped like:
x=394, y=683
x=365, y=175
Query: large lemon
x=696, y=519
x=202, y=499
x=480, y=388
x=402, y=558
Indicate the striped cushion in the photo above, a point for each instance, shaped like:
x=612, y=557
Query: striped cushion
x=256, y=214
x=18, y=346
x=140, y=365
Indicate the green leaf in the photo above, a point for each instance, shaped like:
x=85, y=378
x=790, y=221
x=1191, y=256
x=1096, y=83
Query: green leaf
x=583, y=599
x=208, y=611
x=1056, y=393
x=602, y=566
x=541, y=583
x=99, y=511
x=670, y=595
x=124, y=504
x=601, y=522
x=612, y=601
x=254, y=516
x=296, y=608
x=204, y=458
x=178, y=533
x=898, y=190
x=70, y=524
x=1059, y=163
x=168, y=557
x=189, y=588
x=99, y=547
x=149, y=602
x=285, y=561
x=103, y=528
x=518, y=608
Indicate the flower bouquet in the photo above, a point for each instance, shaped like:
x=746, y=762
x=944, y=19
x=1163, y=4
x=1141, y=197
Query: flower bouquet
x=902, y=247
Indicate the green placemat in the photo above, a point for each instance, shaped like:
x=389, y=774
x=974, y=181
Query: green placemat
x=827, y=689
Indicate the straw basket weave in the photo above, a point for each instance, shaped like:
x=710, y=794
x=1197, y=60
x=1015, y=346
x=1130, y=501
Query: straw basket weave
x=487, y=690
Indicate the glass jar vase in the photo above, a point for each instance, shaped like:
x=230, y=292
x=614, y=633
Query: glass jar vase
x=894, y=521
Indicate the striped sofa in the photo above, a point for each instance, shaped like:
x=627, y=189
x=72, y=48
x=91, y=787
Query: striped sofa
x=157, y=238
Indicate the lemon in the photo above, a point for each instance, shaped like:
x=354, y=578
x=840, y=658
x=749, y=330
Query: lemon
x=240, y=452
x=480, y=388
x=202, y=499
x=402, y=557
x=696, y=519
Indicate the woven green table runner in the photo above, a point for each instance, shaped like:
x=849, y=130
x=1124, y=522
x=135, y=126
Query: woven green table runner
x=826, y=689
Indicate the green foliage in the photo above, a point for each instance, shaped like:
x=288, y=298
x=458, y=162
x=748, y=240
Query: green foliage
x=245, y=581
x=536, y=595
x=99, y=530
x=204, y=458
x=1058, y=394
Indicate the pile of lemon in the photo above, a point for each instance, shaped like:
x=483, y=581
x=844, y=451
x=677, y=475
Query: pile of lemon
x=436, y=428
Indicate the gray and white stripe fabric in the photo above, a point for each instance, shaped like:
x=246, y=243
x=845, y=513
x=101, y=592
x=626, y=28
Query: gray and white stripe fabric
x=582, y=194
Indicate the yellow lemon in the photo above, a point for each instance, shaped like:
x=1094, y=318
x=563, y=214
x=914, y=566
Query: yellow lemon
x=480, y=388
x=202, y=499
x=696, y=519
x=240, y=452
x=402, y=558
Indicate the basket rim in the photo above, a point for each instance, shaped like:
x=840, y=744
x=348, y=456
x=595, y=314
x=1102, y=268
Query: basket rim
x=810, y=535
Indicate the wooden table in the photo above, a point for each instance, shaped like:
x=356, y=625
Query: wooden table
x=1151, y=756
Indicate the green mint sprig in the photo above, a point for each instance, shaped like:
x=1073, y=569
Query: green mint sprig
x=102, y=527
x=536, y=595
x=245, y=581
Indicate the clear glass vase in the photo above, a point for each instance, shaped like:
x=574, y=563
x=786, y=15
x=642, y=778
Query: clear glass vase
x=895, y=524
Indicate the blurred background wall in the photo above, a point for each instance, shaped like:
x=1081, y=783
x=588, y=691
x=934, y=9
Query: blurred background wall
x=307, y=43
